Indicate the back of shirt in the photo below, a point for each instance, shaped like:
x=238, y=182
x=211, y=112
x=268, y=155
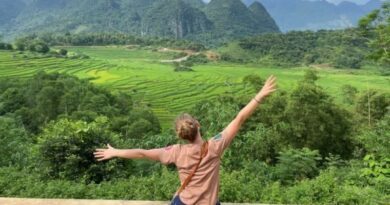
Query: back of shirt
x=204, y=185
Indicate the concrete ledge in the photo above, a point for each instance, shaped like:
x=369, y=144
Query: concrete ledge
x=21, y=201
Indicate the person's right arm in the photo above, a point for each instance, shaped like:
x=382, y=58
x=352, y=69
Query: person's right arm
x=232, y=129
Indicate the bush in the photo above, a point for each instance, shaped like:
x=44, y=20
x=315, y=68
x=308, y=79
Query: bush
x=198, y=59
x=182, y=68
x=254, y=80
x=5, y=46
x=14, y=142
x=297, y=164
x=373, y=105
x=62, y=52
x=375, y=140
x=65, y=151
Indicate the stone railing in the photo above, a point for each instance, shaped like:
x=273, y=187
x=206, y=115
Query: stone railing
x=21, y=201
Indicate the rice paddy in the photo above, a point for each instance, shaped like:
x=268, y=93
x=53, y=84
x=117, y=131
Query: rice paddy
x=140, y=72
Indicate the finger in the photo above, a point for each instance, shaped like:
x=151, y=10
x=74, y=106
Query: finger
x=109, y=146
x=99, y=155
x=273, y=90
x=101, y=159
x=272, y=80
x=101, y=150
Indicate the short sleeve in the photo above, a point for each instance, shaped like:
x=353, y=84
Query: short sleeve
x=218, y=143
x=169, y=154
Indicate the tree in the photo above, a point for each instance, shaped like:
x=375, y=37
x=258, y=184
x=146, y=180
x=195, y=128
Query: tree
x=376, y=26
x=315, y=122
x=373, y=105
x=14, y=142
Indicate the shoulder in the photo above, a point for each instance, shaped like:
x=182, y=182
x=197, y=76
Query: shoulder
x=172, y=147
x=217, y=137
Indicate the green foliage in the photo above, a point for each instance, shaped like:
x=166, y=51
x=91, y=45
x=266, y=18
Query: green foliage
x=255, y=81
x=373, y=105
x=297, y=164
x=88, y=39
x=5, y=46
x=62, y=52
x=215, y=115
x=182, y=67
x=65, y=151
x=376, y=26
x=376, y=168
x=342, y=49
x=314, y=121
x=375, y=140
x=32, y=44
x=348, y=58
x=14, y=142
x=349, y=94
x=47, y=97
x=198, y=59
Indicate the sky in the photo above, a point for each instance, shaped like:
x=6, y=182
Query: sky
x=355, y=1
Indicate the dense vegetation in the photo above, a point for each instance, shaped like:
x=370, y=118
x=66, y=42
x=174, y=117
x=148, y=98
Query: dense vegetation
x=101, y=39
x=300, y=147
x=344, y=49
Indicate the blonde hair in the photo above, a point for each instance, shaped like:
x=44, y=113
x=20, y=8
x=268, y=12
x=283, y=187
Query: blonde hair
x=186, y=127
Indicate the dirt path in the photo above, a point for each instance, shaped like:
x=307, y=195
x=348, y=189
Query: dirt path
x=188, y=52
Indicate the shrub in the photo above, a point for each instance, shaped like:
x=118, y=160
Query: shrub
x=14, y=142
x=297, y=164
x=65, y=151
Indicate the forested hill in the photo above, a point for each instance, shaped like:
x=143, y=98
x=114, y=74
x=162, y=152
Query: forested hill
x=315, y=15
x=191, y=19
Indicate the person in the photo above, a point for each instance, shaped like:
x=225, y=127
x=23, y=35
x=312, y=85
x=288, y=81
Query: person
x=198, y=161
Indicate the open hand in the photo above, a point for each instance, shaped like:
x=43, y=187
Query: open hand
x=268, y=88
x=104, y=154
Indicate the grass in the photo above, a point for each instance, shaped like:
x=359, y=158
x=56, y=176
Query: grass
x=139, y=72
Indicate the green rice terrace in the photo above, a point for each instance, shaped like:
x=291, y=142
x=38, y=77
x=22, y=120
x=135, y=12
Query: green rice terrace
x=153, y=82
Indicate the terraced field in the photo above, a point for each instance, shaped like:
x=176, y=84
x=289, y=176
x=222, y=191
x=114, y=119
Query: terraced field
x=140, y=73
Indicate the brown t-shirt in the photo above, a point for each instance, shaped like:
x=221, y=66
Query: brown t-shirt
x=204, y=185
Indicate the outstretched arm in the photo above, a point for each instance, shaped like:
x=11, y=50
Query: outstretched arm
x=110, y=152
x=232, y=129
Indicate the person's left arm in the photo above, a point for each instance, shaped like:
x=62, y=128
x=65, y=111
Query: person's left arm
x=110, y=152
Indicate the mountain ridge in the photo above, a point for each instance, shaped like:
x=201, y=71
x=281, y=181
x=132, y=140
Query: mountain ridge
x=162, y=18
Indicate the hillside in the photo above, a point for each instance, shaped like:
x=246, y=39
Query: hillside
x=174, y=18
x=9, y=9
x=315, y=15
x=191, y=19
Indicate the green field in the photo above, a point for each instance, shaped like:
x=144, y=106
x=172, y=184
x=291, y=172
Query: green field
x=140, y=72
